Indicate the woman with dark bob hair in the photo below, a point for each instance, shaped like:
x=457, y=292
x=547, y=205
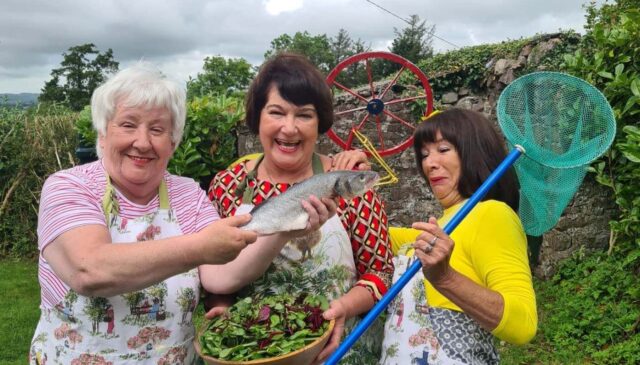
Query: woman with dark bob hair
x=476, y=282
x=348, y=260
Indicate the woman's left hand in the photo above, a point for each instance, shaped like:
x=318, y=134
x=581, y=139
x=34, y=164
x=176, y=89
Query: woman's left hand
x=337, y=311
x=319, y=210
x=433, y=249
x=350, y=160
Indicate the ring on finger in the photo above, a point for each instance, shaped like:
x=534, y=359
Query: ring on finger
x=433, y=241
x=428, y=248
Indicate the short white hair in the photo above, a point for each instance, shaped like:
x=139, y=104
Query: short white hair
x=142, y=84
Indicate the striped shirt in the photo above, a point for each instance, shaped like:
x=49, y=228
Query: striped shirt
x=73, y=198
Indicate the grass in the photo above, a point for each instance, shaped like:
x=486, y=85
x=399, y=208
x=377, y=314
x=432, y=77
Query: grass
x=20, y=301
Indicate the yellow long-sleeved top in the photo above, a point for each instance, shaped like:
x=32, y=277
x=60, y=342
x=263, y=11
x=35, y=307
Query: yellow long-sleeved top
x=491, y=250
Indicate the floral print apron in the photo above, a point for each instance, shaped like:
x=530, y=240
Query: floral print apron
x=319, y=263
x=149, y=326
x=415, y=333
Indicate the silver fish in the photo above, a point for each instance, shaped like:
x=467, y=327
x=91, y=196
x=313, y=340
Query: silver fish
x=284, y=212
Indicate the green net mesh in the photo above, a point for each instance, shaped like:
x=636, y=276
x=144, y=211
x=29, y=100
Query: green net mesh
x=563, y=123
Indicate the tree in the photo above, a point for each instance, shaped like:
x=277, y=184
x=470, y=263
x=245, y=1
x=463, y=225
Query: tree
x=414, y=41
x=221, y=76
x=341, y=46
x=316, y=48
x=83, y=68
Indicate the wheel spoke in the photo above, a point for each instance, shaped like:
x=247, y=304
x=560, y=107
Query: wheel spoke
x=402, y=121
x=392, y=82
x=339, y=85
x=397, y=101
x=379, y=128
x=370, y=77
x=362, y=121
x=350, y=111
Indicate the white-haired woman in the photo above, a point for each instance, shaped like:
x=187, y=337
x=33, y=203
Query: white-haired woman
x=121, y=239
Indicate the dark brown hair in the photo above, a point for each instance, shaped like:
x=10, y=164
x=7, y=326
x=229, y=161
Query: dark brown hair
x=298, y=81
x=481, y=150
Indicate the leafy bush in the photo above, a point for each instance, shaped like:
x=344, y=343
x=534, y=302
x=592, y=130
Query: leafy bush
x=209, y=143
x=610, y=59
x=589, y=313
x=84, y=127
x=34, y=144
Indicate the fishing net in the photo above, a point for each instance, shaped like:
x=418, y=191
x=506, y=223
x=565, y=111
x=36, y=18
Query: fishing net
x=563, y=123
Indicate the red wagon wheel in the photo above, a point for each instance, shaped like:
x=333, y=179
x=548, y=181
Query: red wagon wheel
x=384, y=103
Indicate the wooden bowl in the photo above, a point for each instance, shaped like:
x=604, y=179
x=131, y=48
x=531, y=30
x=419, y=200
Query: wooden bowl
x=303, y=356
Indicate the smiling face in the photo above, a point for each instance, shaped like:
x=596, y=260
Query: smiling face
x=288, y=134
x=136, y=150
x=441, y=165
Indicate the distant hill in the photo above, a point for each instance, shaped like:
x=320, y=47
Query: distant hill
x=22, y=99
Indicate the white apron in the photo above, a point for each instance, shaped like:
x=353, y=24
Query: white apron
x=149, y=326
x=319, y=263
x=409, y=337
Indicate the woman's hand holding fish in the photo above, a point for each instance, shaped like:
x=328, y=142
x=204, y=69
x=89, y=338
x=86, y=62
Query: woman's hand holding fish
x=433, y=249
x=223, y=240
x=319, y=211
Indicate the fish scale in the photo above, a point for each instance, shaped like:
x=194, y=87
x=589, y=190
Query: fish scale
x=285, y=212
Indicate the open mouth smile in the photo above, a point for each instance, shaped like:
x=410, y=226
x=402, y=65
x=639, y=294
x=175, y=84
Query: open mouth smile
x=287, y=145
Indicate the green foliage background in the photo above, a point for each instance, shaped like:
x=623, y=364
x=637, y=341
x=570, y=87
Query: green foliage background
x=34, y=143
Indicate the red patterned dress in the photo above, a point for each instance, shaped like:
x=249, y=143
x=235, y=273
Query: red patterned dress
x=360, y=223
x=363, y=218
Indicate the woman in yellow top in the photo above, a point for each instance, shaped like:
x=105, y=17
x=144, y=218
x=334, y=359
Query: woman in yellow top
x=478, y=282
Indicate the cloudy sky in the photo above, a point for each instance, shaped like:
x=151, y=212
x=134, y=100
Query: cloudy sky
x=178, y=35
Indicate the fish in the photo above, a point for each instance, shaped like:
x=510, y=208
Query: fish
x=284, y=212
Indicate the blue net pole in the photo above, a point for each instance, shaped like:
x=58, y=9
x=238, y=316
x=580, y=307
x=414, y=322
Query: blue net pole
x=366, y=322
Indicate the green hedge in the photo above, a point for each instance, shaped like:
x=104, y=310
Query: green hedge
x=34, y=144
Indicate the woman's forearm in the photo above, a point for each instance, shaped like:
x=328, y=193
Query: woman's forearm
x=484, y=305
x=87, y=261
x=246, y=268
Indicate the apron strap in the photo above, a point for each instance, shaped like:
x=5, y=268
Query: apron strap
x=111, y=207
x=247, y=191
x=316, y=164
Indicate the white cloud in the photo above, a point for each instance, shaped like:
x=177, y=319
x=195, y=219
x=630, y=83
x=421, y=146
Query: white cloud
x=179, y=34
x=275, y=7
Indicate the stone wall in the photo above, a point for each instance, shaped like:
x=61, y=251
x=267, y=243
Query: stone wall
x=584, y=224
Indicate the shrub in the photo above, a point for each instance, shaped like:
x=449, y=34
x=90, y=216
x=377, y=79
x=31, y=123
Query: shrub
x=34, y=144
x=209, y=143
